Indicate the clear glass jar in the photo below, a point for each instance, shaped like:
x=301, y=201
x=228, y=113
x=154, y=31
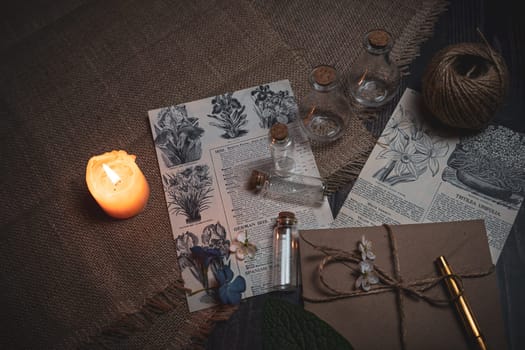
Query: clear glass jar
x=288, y=187
x=324, y=111
x=374, y=78
x=285, y=267
x=282, y=148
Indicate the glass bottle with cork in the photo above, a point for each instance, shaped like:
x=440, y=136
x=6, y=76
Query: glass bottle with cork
x=285, y=268
x=282, y=148
x=324, y=111
x=374, y=79
x=288, y=187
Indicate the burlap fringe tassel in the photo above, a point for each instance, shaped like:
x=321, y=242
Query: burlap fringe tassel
x=418, y=30
x=349, y=173
x=196, y=327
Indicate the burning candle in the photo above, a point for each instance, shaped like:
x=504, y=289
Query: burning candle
x=117, y=184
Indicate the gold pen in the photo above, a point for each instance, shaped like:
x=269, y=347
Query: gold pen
x=462, y=306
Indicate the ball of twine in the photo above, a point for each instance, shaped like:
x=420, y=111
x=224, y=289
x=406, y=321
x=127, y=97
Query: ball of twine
x=465, y=84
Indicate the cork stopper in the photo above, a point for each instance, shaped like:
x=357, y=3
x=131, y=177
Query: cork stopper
x=256, y=180
x=279, y=131
x=324, y=75
x=378, y=38
x=286, y=218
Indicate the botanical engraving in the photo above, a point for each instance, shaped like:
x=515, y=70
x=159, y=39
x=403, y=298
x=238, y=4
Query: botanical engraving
x=409, y=150
x=178, y=136
x=492, y=163
x=230, y=116
x=272, y=107
x=208, y=261
x=189, y=191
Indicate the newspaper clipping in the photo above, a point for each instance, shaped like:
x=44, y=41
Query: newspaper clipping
x=206, y=150
x=415, y=175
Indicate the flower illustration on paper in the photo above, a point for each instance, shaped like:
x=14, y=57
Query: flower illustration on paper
x=409, y=150
x=242, y=247
x=229, y=115
x=492, y=163
x=273, y=107
x=204, y=258
x=189, y=191
x=183, y=244
x=198, y=258
x=432, y=150
x=208, y=261
x=178, y=136
x=395, y=130
x=365, y=247
x=367, y=277
x=403, y=161
x=214, y=235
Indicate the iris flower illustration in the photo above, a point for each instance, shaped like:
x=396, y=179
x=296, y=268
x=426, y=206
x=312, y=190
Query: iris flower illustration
x=228, y=290
x=214, y=235
x=184, y=243
x=229, y=115
x=209, y=263
x=273, y=107
x=178, y=136
x=225, y=104
x=204, y=257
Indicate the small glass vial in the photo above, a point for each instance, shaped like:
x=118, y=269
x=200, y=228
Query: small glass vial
x=285, y=269
x=324, y=111
x=282, y=148
x=288, y=187
x=374, y=78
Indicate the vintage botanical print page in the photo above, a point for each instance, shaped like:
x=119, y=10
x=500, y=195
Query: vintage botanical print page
x=206, y=150
x=417, y=173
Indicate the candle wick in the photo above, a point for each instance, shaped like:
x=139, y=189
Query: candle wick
x=116, y=184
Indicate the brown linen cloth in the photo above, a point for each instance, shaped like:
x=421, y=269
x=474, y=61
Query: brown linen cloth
x=372, y=321
x=80, y=87
x=77, y=79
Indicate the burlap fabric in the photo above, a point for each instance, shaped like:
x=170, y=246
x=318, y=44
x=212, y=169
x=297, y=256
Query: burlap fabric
x=77, y=79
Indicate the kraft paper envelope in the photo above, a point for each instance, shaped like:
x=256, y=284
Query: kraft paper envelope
x=372, y=321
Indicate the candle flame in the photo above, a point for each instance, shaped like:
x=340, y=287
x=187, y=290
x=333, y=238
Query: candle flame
x=113, y=176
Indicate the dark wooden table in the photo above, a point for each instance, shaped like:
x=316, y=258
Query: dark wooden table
x=501, y=23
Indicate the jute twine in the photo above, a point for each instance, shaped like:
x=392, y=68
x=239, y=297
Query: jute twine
x=465, y=84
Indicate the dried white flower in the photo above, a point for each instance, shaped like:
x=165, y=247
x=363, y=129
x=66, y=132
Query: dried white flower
x=367, y=277
x=365, y=247
x=242, y=247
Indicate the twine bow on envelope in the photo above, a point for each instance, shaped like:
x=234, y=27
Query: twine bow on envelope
x=415, y=288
